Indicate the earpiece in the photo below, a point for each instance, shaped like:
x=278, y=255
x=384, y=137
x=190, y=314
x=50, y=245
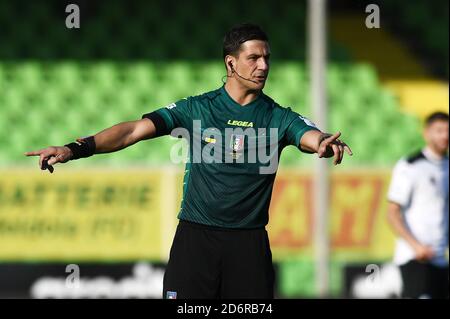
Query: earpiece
x=230, y=63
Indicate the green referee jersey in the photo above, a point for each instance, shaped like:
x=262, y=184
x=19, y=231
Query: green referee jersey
x=224, y=183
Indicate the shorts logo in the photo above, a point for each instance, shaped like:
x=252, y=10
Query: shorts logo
x=171, y=106
x=171, y=295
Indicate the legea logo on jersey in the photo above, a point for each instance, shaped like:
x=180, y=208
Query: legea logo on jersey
x=240, y=123
x=227, y=145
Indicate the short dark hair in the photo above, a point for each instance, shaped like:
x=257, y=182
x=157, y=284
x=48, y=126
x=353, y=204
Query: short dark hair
x=436, y=116
x=240, y=33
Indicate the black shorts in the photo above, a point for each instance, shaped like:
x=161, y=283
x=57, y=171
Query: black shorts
x=213, y=263
x=424, y=280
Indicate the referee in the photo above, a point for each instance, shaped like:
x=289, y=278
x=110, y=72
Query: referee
x=221, y=248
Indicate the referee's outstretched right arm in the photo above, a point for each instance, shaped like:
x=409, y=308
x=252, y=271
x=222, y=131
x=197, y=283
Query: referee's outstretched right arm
x=109, y=140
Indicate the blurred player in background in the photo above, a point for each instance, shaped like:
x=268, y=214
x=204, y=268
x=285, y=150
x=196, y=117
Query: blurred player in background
x=221, y=248
x=418, y=214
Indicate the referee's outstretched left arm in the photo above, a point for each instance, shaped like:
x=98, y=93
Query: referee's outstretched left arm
x=109, y=140
x=325, y=145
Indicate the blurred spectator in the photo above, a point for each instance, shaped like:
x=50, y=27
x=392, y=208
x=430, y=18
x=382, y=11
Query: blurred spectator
x=418, y=214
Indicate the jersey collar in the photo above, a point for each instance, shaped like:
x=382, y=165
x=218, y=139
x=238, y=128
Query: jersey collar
x=431, y=156
x=233, y=102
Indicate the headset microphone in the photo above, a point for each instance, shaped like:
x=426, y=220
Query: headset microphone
x=234, y=71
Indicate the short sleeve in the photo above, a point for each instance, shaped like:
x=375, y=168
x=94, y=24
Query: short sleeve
x=401, y=185
x=297, y=125
x=174, y=115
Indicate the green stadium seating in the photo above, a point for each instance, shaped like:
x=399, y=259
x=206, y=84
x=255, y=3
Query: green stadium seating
x=140, y=30
x=58, y=84
x=73, y=99
x=425, y=24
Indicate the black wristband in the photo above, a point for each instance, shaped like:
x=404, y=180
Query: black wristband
x=83, y=147
x=158, y=121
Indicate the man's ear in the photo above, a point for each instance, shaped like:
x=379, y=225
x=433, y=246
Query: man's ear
x=229, y=63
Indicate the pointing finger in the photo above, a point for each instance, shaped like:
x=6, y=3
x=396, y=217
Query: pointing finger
x=333, y=137
x=33, y=153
